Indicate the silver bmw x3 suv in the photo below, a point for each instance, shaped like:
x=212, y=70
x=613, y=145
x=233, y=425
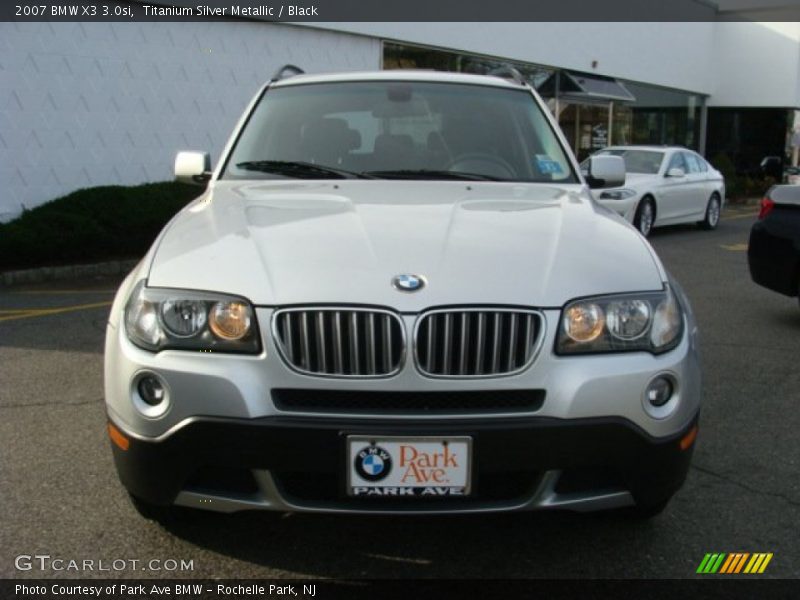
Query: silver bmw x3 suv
x=397, y=295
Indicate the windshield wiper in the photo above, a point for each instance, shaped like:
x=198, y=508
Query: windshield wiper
x=432, y=174
x=300, y=169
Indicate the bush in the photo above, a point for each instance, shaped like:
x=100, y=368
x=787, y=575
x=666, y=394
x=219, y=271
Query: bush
x=733, y=183
x=757, y=188
x=92, y=224
x=738, y=187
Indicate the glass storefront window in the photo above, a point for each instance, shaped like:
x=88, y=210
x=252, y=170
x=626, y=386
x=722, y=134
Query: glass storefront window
x=747, y=136
x=622, y=125
x=399, y=56
x=593, y=111
x=585, y=127
x=662, y=116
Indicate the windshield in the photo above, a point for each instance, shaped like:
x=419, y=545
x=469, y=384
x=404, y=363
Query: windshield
x=639, y=161
x=399, y=129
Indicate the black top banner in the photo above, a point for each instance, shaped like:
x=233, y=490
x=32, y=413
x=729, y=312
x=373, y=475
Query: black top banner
x=396, y=10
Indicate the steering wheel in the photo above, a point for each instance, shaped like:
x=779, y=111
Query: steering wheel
x=482, y=163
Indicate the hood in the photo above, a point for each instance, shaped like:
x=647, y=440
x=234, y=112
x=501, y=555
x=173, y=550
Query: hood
x=280, y=243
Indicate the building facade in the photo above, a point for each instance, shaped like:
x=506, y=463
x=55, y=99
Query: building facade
x=87, y=104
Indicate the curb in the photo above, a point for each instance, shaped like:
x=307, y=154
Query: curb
x=67, y=272
x=743, y=201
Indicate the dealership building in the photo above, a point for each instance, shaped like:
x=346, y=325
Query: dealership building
x=86, y=104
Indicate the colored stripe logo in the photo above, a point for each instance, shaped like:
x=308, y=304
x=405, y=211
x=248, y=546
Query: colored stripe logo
x=734, y=563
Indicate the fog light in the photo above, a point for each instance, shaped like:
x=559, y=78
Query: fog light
x=659, y=391
x=151, y=391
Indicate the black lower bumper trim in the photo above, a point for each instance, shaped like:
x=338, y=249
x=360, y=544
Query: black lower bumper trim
x=398, y=403
x=519, y=448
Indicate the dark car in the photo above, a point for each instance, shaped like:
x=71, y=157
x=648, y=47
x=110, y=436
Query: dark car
x=774, y=250
x=771, y=166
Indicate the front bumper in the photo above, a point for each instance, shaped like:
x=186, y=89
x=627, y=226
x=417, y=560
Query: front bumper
x=224, y=443
x=241, y=387
x=625, y=208
x=299, y=464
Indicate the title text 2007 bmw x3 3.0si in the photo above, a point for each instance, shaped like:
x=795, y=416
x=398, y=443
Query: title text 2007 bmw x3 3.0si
x=397, y=296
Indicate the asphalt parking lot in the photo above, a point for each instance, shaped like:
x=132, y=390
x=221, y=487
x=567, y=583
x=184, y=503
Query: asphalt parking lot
x=60, y=495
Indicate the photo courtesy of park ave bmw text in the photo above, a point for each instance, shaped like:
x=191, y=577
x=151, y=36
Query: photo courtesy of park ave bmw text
x=356, y=299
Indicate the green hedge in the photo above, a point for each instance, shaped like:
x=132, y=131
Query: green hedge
x=92, y=225
x=739, y=187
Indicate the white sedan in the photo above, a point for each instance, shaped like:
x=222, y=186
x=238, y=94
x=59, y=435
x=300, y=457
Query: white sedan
x=665, y=185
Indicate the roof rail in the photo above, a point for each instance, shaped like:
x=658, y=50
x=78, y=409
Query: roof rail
x=286, y=71
x=508, y=72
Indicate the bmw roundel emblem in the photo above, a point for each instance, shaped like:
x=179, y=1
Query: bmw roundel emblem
x=373, y=463
x=408, y=282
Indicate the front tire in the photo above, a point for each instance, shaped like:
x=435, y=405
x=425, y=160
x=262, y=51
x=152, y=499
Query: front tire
x=645, y=216
x=712, y=214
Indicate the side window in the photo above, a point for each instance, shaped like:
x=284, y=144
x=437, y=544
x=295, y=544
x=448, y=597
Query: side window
x=677, y=162
x=691, y=162
x=702, y=162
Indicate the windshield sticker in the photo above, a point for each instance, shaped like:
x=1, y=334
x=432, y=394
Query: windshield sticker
x=547, y=165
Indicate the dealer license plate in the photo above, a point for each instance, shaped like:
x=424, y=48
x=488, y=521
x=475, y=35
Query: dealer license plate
x=408, y=466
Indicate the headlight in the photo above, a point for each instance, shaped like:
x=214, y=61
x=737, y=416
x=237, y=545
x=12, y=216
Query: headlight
x=182, y=318
x=584, y=322
x=159, y=318
x=617, y=194
x=230, y=320
x=628, y=319
x=650, y=322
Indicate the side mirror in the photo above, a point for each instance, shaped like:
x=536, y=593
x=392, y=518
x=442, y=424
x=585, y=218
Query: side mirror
x=605, y=171
x=676, y=172
x=193, y=167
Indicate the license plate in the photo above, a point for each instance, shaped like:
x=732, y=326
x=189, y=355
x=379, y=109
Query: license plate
x=422, y=467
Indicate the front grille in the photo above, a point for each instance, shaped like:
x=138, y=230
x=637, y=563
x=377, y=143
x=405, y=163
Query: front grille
x=476, y=342
x=340, y=342
x=379, y=402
